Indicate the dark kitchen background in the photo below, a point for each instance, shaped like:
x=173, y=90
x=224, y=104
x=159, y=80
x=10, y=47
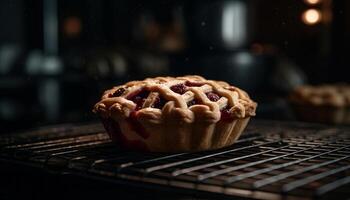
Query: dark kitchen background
x=57, y=57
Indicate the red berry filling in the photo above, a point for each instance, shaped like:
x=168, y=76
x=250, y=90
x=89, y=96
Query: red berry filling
x=193, y=84
x=179, y=88
x=226, y=115
x=159, y=102
x=213, y=96
x=182, y=88
x=139, y=98
x=114, y=131
x=118, y=92
x=225, y=112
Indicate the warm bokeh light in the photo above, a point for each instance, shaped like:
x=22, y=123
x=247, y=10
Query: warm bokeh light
x=311, y=16
x=312, y=1
x=72, y=26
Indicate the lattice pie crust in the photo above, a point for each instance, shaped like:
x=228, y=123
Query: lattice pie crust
x=167, y=114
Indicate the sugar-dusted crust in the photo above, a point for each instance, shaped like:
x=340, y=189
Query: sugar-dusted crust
x=177, y=126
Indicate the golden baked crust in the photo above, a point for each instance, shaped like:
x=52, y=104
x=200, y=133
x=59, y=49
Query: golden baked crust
x=323, y=103
x=177, y=125
x=323, y=95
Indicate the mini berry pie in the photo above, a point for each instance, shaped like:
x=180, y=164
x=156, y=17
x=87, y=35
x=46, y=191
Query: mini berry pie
x=323, y=103
x=168, y=114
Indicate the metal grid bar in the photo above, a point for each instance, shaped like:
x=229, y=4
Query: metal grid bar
x=230, y=169
x=298, y=183
x=151, y=169
x=58, y=142
x=333, y=185
x=181, y=162
x=265, y=163
x=282, y=176
x=274, y=167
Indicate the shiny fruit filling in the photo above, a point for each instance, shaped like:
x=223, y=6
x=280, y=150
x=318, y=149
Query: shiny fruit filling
x=118, y=92
x=138, y=98
x=159, y=102
x=113, y=129
x=213, y=96
x=179, y=88
x=225, y=112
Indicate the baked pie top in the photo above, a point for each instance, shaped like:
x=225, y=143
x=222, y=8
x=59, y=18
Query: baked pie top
x=322, y=95
x=180, y=98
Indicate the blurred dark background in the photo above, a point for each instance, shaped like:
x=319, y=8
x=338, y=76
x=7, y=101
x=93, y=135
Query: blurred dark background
x=57, y=57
